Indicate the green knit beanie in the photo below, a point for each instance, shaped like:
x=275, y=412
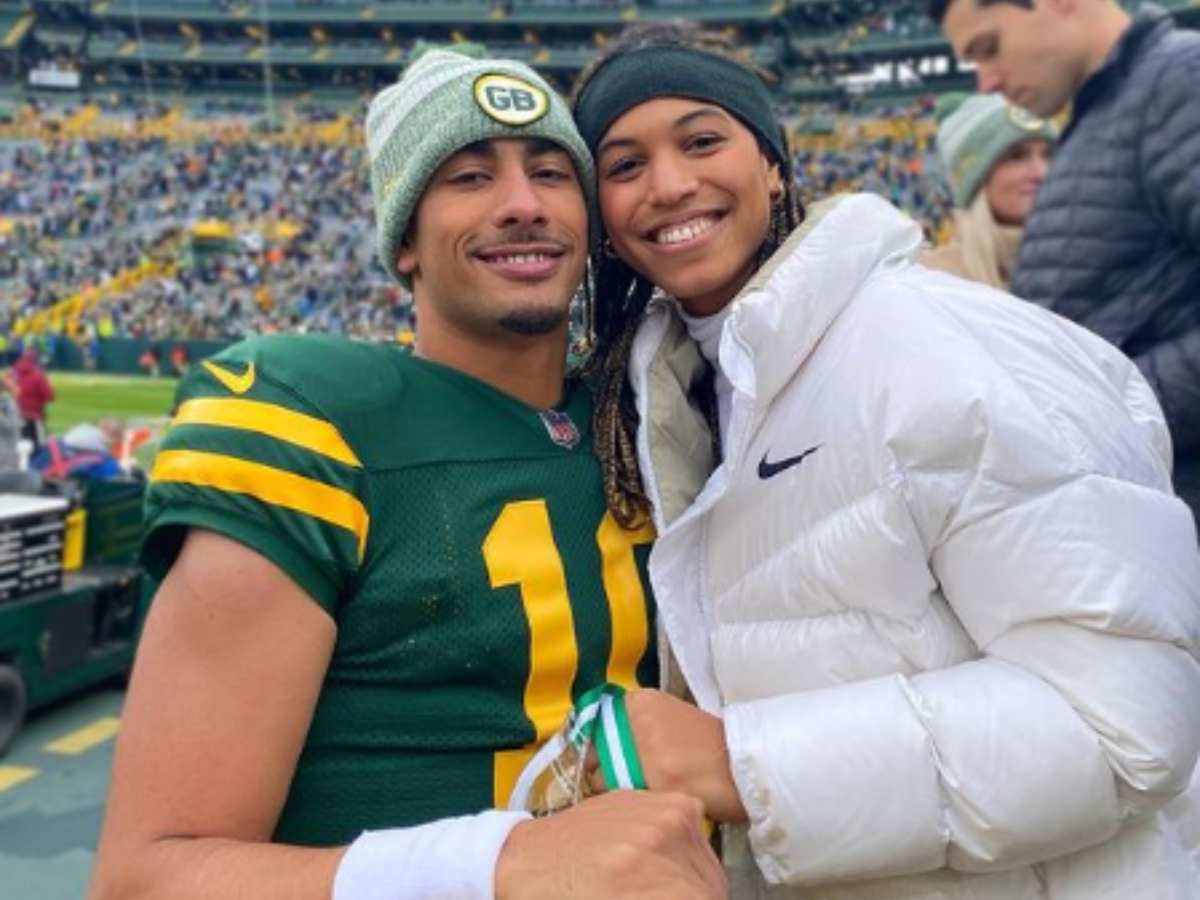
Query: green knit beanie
x=974, y=131
x=444, y=101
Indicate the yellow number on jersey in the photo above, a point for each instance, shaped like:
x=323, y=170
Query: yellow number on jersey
x=520, y=549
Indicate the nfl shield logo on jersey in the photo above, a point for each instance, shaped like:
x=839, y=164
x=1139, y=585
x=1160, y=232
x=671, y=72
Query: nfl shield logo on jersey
x=561, y=429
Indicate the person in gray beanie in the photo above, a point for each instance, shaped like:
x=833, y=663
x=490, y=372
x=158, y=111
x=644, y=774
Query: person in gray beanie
x=996, y=157
x=388, y=577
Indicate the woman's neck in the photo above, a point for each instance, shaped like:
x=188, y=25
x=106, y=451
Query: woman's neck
x=713, y=302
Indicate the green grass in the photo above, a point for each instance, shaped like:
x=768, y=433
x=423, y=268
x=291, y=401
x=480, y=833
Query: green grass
x=87, y=397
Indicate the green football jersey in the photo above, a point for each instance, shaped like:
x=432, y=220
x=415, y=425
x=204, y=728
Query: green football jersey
x=458, y=537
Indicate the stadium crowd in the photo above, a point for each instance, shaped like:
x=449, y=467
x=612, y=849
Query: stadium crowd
x=85, y=209
x=906, y=170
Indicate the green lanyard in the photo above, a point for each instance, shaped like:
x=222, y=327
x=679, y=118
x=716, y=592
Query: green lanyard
x=555, y=777
x=600, y=718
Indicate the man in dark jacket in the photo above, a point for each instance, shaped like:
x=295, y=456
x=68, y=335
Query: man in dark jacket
x=1114, y=239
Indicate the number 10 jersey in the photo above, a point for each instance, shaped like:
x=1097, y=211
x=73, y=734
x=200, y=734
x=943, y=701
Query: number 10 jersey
x=457, y=536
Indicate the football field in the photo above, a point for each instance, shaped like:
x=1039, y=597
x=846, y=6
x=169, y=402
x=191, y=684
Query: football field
x=89, y=396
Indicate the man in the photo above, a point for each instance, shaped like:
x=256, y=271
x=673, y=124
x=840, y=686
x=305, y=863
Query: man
x=387, y=575
x=1114, y=239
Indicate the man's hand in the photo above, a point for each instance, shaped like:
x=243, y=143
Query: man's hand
x=624, y=844
x=681, y=749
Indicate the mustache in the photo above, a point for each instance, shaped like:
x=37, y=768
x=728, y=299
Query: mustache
x=526, y=234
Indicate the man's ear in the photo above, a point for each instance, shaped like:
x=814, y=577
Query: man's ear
x=406, y=256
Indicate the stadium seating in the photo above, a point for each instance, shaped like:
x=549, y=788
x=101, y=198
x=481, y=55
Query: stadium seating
x=172, y=90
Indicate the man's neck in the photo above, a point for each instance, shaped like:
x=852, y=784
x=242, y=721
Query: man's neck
x=528, y=368
x=1105, y=30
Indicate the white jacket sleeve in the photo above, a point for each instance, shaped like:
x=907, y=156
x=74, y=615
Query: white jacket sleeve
x=1082, y=592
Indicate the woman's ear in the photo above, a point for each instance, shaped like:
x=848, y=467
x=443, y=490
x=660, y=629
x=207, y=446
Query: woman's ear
x=774, y=180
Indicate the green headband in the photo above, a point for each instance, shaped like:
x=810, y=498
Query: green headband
x=632, y=78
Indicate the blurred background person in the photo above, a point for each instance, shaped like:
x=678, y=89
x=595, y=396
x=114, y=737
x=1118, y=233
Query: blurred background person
x=14, y=478
x=996, y=156
x=83, y=451
x=1113, y=242
x=34, y=394
x=10, y=424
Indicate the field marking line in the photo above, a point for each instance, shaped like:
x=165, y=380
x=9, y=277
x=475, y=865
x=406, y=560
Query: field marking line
x=85, y=738
x=11, y=776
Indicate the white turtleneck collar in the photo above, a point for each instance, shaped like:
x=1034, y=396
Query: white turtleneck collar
x=706, y=332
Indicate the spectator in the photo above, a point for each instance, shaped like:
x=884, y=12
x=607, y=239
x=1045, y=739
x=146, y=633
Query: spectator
x=10, y=424
x=1114, y=239
x=83, y=451
x=149, y=362
x=179, y=359
x=34, y=394
x=996, y=155
x=13, y=478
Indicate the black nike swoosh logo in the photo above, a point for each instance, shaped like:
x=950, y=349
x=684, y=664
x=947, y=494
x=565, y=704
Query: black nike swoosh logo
x=771, y=469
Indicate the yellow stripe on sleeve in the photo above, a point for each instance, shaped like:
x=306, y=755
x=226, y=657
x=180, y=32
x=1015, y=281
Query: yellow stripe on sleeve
x=274, y=421
x=268, y=484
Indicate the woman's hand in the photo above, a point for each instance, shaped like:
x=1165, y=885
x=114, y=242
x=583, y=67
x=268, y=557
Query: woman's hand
x=682, y=749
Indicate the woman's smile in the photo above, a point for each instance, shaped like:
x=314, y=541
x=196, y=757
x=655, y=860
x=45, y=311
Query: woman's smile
x=685, y=235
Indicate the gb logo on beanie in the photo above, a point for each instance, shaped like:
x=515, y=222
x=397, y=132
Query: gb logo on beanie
x=509, y=100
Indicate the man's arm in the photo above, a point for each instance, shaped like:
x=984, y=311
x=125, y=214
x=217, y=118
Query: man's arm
x=229, y=669
x=1170, y=148
x=1170, y=156
x=228, y=672
x=1173, y=369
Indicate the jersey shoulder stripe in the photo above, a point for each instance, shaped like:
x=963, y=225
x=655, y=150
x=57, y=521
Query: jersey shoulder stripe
x=267, y=484
x=262, y=449
x=272, y=420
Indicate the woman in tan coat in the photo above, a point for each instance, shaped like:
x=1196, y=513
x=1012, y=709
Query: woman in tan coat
x=996, y=157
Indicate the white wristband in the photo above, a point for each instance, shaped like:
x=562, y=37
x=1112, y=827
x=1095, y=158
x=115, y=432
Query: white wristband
x=450, y=859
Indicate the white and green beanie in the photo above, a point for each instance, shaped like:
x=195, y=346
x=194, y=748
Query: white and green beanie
x=444, y=101
x=975, y=131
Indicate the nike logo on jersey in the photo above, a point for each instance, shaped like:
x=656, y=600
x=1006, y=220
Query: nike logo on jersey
x=771, y=469
x=239, y=384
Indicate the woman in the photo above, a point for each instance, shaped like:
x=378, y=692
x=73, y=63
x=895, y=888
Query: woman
x=996, y=156
x=936, y=603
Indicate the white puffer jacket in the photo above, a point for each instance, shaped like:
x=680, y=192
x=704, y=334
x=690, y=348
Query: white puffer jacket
x=939, y=588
